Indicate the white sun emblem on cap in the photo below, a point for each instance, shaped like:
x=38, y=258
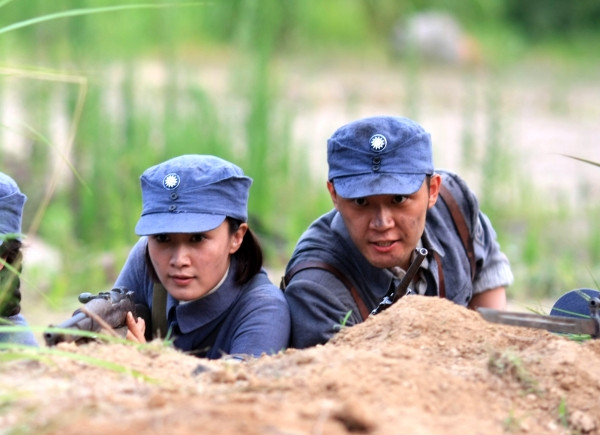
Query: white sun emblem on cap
x=171, y=181
x=378, y=142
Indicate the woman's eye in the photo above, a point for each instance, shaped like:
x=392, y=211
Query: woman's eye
x=197, y=237
x=399, y=199
x=161, y=238
x=360, y=201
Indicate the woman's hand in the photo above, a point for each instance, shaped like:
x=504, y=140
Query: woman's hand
x=136, y=328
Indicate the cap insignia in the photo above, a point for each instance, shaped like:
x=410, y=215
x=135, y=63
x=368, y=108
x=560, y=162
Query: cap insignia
x=378, y=142
x=171, y=181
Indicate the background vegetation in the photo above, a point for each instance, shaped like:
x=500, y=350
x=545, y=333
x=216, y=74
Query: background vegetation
x=95, y=96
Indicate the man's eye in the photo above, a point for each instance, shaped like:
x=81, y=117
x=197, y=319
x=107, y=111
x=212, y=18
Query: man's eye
x=399, y=199
x=360, y=201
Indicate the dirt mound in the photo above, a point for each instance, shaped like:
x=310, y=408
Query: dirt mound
x=425, y=366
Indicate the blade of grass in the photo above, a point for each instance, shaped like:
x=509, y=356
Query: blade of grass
x=581, y=160
x=89, y=11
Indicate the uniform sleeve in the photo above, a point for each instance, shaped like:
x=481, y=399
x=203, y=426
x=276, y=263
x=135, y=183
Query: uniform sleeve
x=134, y=275
x=319, y=303
x=493, y=266
x=263, y=325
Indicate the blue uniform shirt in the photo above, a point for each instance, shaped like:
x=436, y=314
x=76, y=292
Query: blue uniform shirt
x=18, y=337
x=319, y=301
x=248, y=319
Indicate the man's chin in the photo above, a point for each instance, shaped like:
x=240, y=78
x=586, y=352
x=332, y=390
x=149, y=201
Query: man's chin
x=383, y=263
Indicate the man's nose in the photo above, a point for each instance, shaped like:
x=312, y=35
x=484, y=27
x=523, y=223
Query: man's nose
x=383, y=218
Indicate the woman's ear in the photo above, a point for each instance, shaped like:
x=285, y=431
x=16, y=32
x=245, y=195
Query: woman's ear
x=238, y=238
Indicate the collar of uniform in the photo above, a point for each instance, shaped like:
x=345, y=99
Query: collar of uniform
x=203, y=311
x=371, y=273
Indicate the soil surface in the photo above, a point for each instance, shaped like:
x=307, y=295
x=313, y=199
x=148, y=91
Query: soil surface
x=424, y=366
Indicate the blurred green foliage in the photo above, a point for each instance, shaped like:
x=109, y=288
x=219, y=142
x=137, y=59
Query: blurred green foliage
x=119, y=130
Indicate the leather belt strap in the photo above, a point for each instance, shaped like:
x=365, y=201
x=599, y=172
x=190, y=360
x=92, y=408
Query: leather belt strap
x=442, y=283
x=461, y=226
x=362, y=308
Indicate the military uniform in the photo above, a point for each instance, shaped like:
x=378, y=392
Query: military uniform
x=319, y=301
x=328, y=276
x=233, y=320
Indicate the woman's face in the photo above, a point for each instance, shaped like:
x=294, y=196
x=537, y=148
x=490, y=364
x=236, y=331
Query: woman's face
x=189, y=265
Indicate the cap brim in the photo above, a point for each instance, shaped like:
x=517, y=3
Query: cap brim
x=163, y=223
x=359, y=186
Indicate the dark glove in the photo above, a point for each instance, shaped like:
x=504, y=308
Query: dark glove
x=10, y=289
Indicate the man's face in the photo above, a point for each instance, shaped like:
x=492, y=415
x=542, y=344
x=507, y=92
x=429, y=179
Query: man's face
x=387, y=228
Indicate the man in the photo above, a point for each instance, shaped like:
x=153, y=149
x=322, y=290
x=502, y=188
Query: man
x=12, y=202
x=386, y=196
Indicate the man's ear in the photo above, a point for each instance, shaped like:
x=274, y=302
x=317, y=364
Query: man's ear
x=332, y=193
x=435, y=181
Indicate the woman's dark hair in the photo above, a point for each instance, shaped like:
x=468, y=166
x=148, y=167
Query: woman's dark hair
x=10, y=249
x=249, y=256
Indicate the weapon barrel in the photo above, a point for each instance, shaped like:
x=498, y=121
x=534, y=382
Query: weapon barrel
x=410, y=274
x=53, y=338
x=402, y=287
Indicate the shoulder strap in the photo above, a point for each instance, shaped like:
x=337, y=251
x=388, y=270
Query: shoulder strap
x=460, y=225
x=362, y=308
x=159, y=309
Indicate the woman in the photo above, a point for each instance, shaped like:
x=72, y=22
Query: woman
x=12, y=202
x=197, y=246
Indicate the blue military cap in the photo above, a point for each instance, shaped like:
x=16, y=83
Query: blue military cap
x=574, y=303
x=379, y=155
x=191, y=194
x=12, y=202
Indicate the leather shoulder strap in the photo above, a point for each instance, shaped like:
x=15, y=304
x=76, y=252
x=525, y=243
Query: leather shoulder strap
x=460, y=224
x=159, y=309
x=362, y=308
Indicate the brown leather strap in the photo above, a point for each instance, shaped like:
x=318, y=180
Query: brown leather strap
x=442, y=283
x=159, y=310
x=362, y=308
x=461, y=226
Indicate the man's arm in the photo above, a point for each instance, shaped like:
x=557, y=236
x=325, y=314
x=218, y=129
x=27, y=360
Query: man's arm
x=493, y=298
x=319, y=304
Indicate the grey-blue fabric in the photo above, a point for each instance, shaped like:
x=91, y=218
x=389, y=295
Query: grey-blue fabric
x=12, y=201
x=379, y=155
x=192, y=193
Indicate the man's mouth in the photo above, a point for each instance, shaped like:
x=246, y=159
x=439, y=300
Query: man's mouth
x=384, y=244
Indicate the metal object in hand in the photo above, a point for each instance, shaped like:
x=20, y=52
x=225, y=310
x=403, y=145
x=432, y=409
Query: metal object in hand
x=402, y=288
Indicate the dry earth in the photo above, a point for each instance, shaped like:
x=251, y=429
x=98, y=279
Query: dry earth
x=425, y=366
